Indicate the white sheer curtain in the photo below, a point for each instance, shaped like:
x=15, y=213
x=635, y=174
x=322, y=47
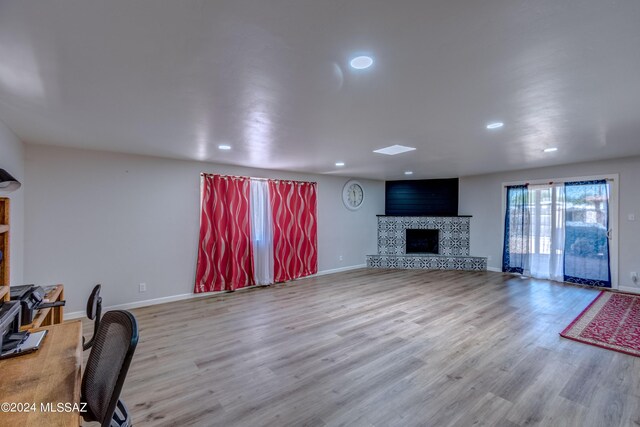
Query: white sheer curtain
x=546, y=233
x=261, y=232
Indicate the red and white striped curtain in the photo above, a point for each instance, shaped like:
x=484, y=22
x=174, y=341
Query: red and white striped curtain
x=224, y=250
x=295, y=232
x=229, y=237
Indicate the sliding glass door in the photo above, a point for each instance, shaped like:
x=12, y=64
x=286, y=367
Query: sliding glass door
x=587, y=258
x=559, y=231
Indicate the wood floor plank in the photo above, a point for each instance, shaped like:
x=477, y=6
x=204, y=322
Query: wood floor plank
x=379, y=348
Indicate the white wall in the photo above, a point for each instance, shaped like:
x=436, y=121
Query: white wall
x=481, y=196
x=12, y=160
x=119, y=220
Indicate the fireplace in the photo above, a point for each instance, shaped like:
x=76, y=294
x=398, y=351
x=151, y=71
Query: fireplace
x=422, y=241
x=425, y=243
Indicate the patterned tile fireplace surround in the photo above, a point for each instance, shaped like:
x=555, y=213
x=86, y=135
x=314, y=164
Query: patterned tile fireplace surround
x=453, y=245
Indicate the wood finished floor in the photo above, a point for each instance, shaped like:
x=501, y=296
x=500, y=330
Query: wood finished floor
x=379, y=348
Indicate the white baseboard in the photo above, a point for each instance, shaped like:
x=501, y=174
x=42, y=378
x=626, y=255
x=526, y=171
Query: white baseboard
x=143, y=303
x=495, y=269
x=630, y=289
x=180, y=297
x=338, y=270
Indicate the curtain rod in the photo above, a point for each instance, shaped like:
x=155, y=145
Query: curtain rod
x=259, y=179
x=558, y=182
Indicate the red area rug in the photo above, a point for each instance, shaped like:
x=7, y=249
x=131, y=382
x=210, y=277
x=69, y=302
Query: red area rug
x=611, y=321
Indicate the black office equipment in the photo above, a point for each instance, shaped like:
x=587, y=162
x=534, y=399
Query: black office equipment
x=28, y=296
x=109, y=360
x=24, y=344
x=31, y=298
x=12, y=341
x=9, y=324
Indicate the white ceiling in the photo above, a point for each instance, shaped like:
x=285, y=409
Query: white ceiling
x=271, y=78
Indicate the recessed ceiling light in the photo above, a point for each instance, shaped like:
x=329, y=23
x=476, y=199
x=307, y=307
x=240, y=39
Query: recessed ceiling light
x=339, y=164
x=393, y=150
x=361, y=62
x=224, y=147
x=496, y=125
x=550, y=149
x=408, y=172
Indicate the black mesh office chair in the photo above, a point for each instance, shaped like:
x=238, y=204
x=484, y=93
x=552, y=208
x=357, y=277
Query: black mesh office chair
x=94, y=312
x=109, y=360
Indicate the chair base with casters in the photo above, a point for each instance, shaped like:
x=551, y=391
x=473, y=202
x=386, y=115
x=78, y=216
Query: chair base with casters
x=121, y=417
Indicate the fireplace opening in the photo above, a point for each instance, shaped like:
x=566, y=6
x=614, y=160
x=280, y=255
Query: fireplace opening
x=421, y=241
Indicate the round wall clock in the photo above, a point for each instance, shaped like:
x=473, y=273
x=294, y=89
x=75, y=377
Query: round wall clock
x=353, y=195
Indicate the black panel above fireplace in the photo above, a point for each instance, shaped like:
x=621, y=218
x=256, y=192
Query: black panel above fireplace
x=425, y=197
x=422, y=241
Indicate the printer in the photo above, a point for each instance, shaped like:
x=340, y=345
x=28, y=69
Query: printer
x=10, y=334
x=12, y=341
x=31, y=299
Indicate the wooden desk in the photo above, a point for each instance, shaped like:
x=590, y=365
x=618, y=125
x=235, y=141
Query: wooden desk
x=50, y=374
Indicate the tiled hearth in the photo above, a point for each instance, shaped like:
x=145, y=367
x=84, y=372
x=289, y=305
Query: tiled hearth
x=453, y=244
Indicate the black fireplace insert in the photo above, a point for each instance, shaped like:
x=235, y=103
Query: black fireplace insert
x=421, y=241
